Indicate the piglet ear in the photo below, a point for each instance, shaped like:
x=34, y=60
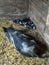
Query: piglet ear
x=5, y=29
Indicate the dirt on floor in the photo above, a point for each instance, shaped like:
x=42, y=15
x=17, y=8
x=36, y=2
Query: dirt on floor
x=8, y=53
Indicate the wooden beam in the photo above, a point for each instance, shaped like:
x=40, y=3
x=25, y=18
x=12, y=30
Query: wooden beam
x=47, y=22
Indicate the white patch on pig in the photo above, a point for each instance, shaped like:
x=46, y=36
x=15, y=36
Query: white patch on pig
x=11, y=38
x=27, y=49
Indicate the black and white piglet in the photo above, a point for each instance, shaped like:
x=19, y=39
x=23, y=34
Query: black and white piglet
x=24, y=44
x=26, y=22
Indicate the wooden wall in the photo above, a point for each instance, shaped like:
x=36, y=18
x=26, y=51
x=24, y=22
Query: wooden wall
x=13, y=8
x=38, y=10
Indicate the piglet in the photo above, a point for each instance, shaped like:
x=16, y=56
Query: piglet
x=25, y=44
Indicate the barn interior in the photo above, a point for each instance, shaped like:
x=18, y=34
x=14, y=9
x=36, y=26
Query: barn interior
x=38, y=12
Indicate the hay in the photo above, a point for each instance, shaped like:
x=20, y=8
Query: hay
x=9, y=55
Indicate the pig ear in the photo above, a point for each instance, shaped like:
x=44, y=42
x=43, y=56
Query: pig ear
x=5, y=29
